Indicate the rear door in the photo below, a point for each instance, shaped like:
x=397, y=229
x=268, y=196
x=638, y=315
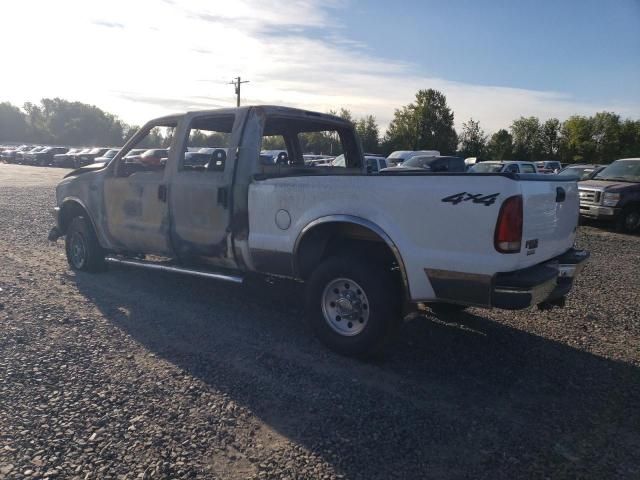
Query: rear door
x=550, y=218
x=200, y=193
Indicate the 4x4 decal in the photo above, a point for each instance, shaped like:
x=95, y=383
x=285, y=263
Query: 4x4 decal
x=481, y=198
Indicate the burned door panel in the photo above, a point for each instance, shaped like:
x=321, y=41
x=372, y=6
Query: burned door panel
x=201, y=188
x=135, y=191
x=137, y=220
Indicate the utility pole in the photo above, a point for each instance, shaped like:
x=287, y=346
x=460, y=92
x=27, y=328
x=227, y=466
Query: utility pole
x=236, y=82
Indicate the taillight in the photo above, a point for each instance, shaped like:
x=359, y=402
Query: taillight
x=508, y=236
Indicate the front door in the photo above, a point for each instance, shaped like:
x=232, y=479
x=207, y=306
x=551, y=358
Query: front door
x=135, y=195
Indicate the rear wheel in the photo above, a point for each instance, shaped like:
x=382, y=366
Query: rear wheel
x=84, y=253
x=353, y=305
x=629, y=220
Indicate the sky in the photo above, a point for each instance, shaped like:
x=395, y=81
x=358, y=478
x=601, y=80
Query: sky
x=494, y=60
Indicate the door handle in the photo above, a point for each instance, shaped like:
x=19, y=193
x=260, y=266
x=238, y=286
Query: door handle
x=560, y=194
x=223, y=196
x=162, y=193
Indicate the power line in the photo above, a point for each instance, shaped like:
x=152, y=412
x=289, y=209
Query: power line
x=236, y=82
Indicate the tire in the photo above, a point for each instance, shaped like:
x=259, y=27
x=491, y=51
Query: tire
x=353, y=305
x=629, y=220
x=84, y=253
x=446, y=308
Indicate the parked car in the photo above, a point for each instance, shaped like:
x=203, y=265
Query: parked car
x=471, y=161
x=504, y=166
x=106, y=158
x=134, y=154
x=64, y=159
x=69, y=159
x=399, y=156
x=9, y=155
x=360, y=246
x=435, y=164
x=582, y=172
x=200, y=158
x=320, y=162
x=153, y=157
x=21, y=157
x=373, y=163
x=85, y=158
x=548, y=166
x=45, y=157
x=614, y=195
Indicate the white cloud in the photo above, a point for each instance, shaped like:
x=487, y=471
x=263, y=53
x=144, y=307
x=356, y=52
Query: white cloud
x=147, y=58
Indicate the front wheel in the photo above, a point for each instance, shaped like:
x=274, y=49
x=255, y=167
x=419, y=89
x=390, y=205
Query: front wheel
x=83, y=250
x=629, y=220
x=353, y=305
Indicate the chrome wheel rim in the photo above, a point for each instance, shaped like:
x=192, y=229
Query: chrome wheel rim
x=77, y=250
x=632, y=220
x=345, y=307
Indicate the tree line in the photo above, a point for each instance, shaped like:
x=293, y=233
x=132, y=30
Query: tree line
x=425, y=124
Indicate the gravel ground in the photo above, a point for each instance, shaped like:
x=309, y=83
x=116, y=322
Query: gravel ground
x=132, y=374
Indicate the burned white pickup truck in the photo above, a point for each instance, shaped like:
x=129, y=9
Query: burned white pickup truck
x=365, y=245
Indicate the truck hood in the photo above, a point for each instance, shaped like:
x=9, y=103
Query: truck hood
x=92, y=167
x=608, y=185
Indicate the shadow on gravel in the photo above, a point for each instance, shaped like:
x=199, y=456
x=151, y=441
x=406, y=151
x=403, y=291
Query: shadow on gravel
x=465, y=398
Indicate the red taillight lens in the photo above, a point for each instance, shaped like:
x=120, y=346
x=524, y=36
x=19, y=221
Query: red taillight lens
x=508, y=236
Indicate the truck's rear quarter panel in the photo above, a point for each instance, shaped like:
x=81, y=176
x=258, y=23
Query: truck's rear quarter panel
x=429, y=232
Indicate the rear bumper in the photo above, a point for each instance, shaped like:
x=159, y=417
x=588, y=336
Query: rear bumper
x=544, y=283
x=598, y=212
x=540, y=284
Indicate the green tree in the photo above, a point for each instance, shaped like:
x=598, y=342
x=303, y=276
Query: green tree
x=426, y=124
x=577, y=144
x=500, y=146
x=630, y=138
x=369, y=133
x=473, y=141
x=550, y=139
x=346, y=114
x=13, y=124
x=63, y=122
x=605, y=132
x=527, y=138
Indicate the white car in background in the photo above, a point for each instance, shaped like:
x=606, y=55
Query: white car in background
x=504, y=166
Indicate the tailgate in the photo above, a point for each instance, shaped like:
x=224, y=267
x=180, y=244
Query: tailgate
x=551, y=209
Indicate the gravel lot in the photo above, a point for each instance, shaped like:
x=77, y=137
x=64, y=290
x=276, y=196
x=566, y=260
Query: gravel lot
x=132, y=374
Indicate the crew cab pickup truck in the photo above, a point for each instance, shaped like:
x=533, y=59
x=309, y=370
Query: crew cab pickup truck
x=613, y=194
x=366, y=246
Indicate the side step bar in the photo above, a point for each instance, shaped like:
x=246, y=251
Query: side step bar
x=168, y=268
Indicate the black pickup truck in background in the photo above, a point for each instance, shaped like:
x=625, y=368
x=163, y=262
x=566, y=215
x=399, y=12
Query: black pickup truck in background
x=614, y=195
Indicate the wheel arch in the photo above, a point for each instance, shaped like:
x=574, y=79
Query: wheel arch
x=311, y=243
x=73, y=207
